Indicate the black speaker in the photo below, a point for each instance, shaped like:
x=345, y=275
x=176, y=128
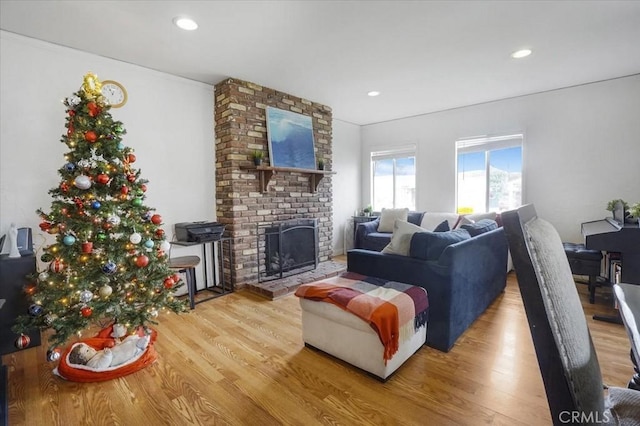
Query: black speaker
x=25, y=242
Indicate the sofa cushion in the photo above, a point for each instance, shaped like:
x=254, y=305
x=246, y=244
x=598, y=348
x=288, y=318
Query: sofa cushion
x=401, y=238
x=431, y=220
x=480, y=227
x=443, y=227
x=388, y=218
x=430, y=245
x=468, y=219
x=415, y=217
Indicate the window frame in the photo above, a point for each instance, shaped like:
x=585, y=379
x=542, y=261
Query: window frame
x=394, y=154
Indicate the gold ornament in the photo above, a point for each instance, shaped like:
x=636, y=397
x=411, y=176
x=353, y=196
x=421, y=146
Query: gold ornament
x=92, y=86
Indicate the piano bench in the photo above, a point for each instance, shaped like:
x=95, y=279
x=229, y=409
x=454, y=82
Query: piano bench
x=584, y=261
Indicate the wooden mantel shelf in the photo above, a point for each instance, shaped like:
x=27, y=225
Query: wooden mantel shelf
x=267, y=172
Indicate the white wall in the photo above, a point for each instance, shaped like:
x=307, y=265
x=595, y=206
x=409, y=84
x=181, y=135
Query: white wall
x=581, y=149
x=346, y=182
x=169, y=123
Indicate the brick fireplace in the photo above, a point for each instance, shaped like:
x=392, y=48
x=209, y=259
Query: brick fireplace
x=241, y=204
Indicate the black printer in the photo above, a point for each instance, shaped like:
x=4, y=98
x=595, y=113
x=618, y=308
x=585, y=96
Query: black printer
x=199, y=232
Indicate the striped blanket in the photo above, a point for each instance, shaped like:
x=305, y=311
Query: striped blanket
x=394, y=310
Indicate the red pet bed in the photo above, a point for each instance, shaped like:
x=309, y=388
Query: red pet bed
x=104, y=340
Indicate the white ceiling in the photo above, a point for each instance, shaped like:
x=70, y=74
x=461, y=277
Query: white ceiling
x=422, y=56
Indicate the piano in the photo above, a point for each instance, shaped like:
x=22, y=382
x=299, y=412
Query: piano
x=616, y=236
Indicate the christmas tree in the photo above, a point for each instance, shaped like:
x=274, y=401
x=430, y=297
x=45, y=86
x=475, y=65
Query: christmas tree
x=108, y=263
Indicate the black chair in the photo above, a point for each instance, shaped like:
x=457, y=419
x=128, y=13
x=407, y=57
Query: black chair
x=565, y=352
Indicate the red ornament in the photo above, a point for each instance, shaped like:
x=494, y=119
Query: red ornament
x=45, y=225
x=87, y=247
x=86, y=311
x=102, y=178
x=168, y=282
x=176, y=278
x=94, y=109
x=106, y=226
x=56, y=266
x=124, y=189
x=131, y=158
x=64, y=187
x=142, y=261
x=71, y=113
x=79, y=203
x=156, y=219
x=143, y=187
x=131, y=177
x=160, y=232
x=90, y=136
x=70, y=131
x=22, y=341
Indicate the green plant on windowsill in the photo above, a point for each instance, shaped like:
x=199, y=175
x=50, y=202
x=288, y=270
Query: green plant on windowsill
x=611, y=205
x=257, y=157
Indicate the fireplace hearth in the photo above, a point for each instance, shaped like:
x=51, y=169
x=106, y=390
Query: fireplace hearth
x=287, y=248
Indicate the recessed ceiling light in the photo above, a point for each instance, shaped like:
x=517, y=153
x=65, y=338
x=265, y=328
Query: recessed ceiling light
x=185, y=23
x=521, y=53
x=373, y=93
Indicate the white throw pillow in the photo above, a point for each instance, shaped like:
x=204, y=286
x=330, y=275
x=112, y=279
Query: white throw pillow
x=469, y=219
x=431, y=220
x=401, y=238
x=388, y=218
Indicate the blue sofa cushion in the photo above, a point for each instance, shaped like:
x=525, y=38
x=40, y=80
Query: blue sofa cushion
x=443, y=227
x=430, y=245
x=480, y=227
x=415, y=217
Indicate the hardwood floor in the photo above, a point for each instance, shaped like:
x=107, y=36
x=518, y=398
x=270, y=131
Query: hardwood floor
x=240, y=360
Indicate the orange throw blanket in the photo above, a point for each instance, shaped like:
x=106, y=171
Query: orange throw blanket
x=394, y=310
x=100, y=341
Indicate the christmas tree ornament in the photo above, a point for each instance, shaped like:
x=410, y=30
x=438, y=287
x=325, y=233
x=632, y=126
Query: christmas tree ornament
x=124, y=190
x=96, y=204
x=53, y=355
x=86, y=311
x=102, y=179
x=105, y=291
x=141, y=261
x=120, y=146
x=62, y=227
x=131, y=177
x=160, y=233
x=165, y=245
x=56, y=266
x=73, y=101
x=48, y=319
x=137, y=202
x=131, y=158
x=154, y=313
x=114, y=220
x=139, y=192
x=119, y=129
x=156, y=219
x=87, y=247
x=43, y=276
x=147, y=216
x=84, y=163
x=91, y=86
x=69, y=240
x=35, y=310
x=64, y=187
x=82, y=182
x=90, y=136
x=168, y=283
x=107, y=226
x=22, y=341
x=149, y=244
x=86, y=296
x=135, y=238
x=93, y=108
x=45, y=225
x=70, y=167
x=109, y=268
x=101, y=237
x=143, y=187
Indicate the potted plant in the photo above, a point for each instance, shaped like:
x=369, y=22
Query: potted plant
x=611, y=205
x=257, y=157
x=321, y=164
x=634, y=212
x=367, y=210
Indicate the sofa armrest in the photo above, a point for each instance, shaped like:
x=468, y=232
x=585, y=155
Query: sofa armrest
x=363, y=229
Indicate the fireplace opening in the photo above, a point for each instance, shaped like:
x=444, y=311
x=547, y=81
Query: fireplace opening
x=287, y=248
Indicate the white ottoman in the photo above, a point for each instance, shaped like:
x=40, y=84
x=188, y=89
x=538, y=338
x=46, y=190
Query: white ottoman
x=351, y=339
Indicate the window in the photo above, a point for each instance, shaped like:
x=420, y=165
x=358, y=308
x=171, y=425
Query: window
x=489, y=174
x=394, y=179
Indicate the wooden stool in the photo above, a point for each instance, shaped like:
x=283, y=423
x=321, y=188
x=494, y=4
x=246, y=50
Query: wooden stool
x=187, y=264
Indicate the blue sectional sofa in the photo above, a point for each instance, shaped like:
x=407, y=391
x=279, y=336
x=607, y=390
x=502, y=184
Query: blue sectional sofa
x=461, y=283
